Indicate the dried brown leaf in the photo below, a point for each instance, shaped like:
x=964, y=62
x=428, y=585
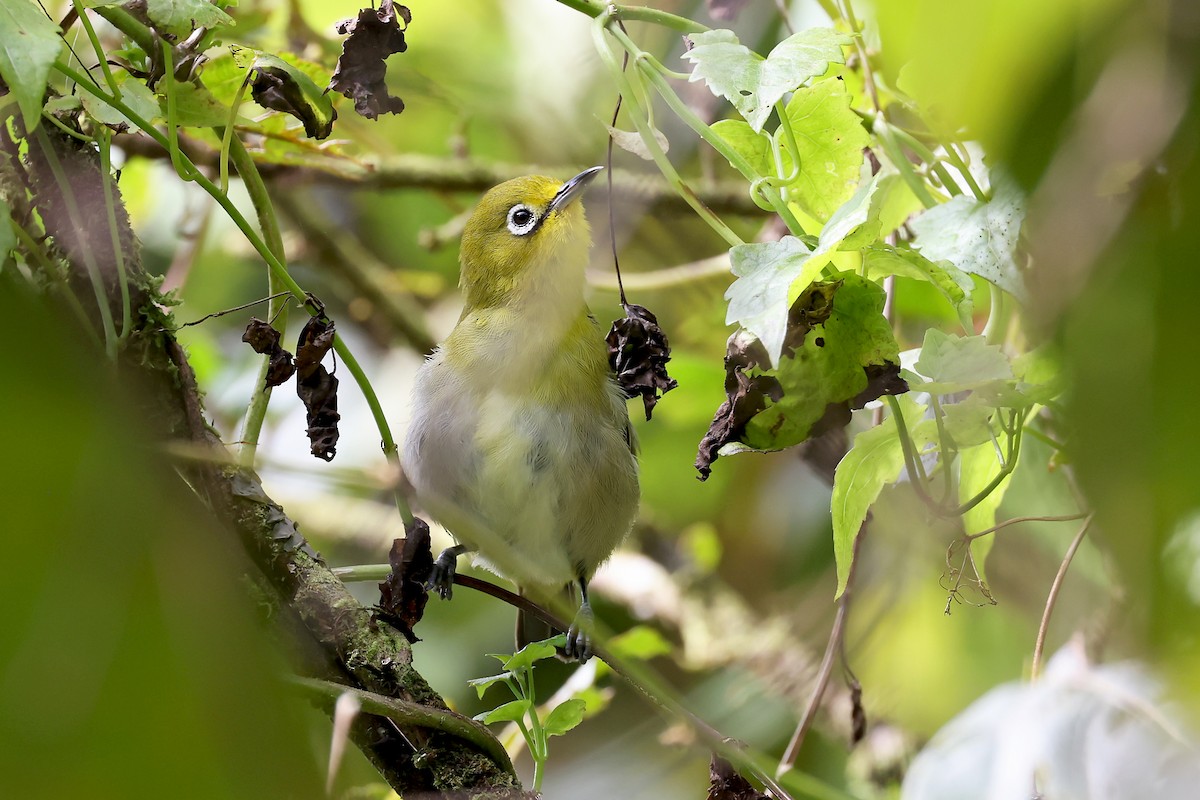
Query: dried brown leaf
x=638, y=352
x=361, y=69
x=402, y=595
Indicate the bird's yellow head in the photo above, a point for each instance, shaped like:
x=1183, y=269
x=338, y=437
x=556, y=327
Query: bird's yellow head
x=526, y=241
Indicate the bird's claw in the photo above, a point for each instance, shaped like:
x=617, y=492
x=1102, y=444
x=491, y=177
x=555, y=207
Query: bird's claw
x=579, y=636
x=441, y=577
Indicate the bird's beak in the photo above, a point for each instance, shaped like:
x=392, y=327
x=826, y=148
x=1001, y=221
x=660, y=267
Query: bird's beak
x=572, y=189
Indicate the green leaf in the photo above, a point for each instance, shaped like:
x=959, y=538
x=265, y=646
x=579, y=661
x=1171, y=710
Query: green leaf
x=29, y=45
x=534, y=651
x=752, y=146
x=881, y=260
x=184, y=15
x=195, y=106
x=754, y=84
x=564, y=717
x=957, y=363
x=759, y=299
x=640, y=643
x=978, y=238
x=873, y=461
x=830, y=138
x=829, y=366
x=968, y=423
x=509, y=712
x=483, y=684
x=858, y=217
x=135, y=94
x=8, y=237
x=977, y=467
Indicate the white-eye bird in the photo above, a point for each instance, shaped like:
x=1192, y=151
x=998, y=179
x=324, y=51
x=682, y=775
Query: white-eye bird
x=520, y=443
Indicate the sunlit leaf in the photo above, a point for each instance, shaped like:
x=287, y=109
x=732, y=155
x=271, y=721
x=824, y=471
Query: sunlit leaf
x=31, y=43
x=509, y=712
x=978, y=238
x=759, y=299
x=830, y=139
x=858, y=217
x=565, y=716
x=752, y=146
x=881, y=260
x=977, y=467
x=874, y=460
x=534, y=651
x=483, y=684
x=754, y=84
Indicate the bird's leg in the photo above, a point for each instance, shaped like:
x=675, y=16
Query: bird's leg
x=441, y=577
x=579, y=636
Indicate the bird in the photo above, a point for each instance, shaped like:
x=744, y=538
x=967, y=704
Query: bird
x=520, y=443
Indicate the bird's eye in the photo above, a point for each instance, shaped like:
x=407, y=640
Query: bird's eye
x=521, y=220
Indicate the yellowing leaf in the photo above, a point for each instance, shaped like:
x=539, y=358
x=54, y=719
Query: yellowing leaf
x=830, y=138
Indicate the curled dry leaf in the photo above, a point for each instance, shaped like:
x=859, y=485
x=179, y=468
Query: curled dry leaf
x=745, y=396
x=264, y=339
x=280, y=86
x=361, y=69
x=402, y=595
x=317, y=387
x=638, y=353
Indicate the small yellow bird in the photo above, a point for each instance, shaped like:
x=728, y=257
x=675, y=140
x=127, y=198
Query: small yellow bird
x=520, y=443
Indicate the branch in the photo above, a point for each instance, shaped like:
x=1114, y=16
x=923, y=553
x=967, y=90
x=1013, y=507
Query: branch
x=453, y=174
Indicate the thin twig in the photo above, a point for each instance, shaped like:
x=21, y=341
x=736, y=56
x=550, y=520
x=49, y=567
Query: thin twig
x=612, y=223
x=832, y=648
x=1052, y=598
x=970, y=537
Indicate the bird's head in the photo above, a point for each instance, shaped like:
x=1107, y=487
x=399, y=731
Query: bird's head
x=526, y=240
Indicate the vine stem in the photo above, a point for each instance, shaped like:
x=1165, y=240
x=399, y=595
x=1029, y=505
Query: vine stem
x=640, y=119
x=649, y=66
x=1052, y=598
x=970, y=537
x=635, y=14
x=390, y=450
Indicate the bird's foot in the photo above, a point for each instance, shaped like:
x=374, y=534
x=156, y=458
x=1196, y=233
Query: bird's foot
x=579, y=636
x=441, y=577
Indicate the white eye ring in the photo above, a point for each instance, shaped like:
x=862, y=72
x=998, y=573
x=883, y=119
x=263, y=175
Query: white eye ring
x=521, y=220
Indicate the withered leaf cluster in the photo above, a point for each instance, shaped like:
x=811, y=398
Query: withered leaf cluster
x=724, y=783
x=372, y=36
x=402, y=595
x=638, y=353
x=745, y=396
x=315, y=385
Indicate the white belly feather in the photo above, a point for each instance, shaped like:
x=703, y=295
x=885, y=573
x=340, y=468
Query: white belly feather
x=543, y=493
